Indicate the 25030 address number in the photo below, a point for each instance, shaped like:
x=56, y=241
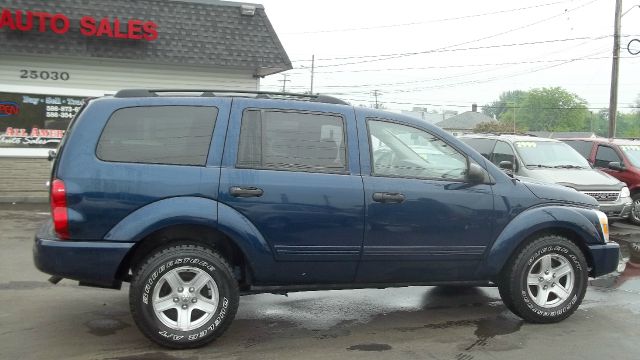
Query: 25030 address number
x=44, y=75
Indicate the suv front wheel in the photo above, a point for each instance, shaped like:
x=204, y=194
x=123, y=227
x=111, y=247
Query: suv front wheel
x=183, y=296
x=546, y=280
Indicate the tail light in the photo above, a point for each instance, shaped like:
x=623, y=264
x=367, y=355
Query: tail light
x=59, y=209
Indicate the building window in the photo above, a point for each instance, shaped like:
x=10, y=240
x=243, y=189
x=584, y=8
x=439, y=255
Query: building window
x=35, y=120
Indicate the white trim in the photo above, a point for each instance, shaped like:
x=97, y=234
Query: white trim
x=24, y=152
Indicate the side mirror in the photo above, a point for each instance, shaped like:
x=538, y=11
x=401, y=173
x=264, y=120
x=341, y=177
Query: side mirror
x=617, y=166
x=476, y=174
x=507, y=165
x=52, y=155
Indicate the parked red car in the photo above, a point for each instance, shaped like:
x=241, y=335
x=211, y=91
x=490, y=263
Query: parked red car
x=618, y=157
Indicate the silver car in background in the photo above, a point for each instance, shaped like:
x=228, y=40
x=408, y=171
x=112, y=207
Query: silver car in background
x=556, y=162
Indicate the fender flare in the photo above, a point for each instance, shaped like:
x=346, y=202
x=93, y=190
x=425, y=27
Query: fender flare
x=164, y=213
x=189, y=210
x=583, y=222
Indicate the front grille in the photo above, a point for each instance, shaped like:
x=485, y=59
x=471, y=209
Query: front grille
x=603, y=195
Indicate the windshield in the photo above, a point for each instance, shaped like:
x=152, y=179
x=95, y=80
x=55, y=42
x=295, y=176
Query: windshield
x=549, y=154
x=633, y=153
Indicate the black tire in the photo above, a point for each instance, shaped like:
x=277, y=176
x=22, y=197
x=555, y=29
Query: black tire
x=634, y=216
x=518, y=296
x=183, y=259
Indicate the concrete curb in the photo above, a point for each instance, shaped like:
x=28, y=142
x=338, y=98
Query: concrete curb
x=24, y=199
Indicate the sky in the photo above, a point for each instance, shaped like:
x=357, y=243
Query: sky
x=447, y=55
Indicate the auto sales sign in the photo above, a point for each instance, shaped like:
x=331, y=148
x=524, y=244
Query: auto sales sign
x=89, y=26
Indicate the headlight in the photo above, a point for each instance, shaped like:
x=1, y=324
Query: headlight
x=625, y=192
x=604, y=224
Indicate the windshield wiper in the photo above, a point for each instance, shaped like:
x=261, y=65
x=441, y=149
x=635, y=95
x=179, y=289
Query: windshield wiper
x=539, y=165
x=568, y=167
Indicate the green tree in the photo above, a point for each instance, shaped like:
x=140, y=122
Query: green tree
x=549, y=109
x=495, y=127
x=508, y=98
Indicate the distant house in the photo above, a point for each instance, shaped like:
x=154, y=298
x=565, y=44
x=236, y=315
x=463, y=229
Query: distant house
x=431, y=117
x=465, y=122
x=563, y=134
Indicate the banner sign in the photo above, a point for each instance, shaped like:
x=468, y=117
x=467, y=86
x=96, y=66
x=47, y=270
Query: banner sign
x=35, y=120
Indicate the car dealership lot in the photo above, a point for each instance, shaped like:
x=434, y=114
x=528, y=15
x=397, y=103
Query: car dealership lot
x=39, y=320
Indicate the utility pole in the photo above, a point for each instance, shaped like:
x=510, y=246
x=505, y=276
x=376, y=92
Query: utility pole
x=514, y=117
x=313, y=65
x=375, y=94
x=284, y=82
x=615, y=67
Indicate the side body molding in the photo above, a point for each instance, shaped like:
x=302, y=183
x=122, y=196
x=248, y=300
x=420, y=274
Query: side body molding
x=583, y=222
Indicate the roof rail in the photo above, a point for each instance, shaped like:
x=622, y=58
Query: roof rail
x=503, y=133
x=129, y=93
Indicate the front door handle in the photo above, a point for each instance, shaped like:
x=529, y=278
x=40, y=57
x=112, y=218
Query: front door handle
x=388, y=197
x=239, y=191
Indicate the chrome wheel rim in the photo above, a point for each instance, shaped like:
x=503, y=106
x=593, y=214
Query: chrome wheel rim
x=185, y=298
x=635, y=210
x=550, y=280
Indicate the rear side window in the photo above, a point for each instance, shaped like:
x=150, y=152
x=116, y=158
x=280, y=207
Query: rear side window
x=583, y=147
x=605, y=155
x=293, y=141
x=175, y=135
x=483, y=146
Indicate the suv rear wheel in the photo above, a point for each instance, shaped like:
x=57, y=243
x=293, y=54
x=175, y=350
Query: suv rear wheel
x=545, y=281
x=183, y=296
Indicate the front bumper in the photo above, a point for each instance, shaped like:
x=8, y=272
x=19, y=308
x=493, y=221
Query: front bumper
x=618, y=210
x=605, y=258
x=93, y=262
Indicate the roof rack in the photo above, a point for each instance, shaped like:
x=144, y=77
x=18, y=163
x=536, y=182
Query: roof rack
x=504, y=133
x=130, y=93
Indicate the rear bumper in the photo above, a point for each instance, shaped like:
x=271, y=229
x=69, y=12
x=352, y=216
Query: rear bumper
x=605, y=258
x=93, y=262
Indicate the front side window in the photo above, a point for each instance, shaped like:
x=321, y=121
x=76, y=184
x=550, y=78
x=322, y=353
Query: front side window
x=483, y=146
x=293, y=141
x=605, y=155
x=503, y=152
x=583, y=147
x=549, y=154
x=404, y=151
x=175, y=135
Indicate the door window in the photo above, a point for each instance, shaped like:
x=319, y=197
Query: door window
x=583, y=147
x=293, y=141
x=483, y=146
x=404, y=151
x=502, y=152
x=605, y=155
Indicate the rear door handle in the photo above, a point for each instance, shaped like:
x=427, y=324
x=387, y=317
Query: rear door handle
x=388, y=197
x=239, y=191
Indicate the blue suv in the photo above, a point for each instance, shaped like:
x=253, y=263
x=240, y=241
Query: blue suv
x=198, y=197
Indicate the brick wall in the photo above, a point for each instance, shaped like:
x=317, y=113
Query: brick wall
x=24, y=179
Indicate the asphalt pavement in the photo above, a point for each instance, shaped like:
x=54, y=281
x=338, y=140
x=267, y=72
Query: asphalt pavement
x=43, y=321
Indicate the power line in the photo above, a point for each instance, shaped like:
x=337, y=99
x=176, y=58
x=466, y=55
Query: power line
x=494, y=107
x=427, y=22
x=399, y=55
x=562, y=62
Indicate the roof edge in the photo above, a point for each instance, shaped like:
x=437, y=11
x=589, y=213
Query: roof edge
x=221, y=3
